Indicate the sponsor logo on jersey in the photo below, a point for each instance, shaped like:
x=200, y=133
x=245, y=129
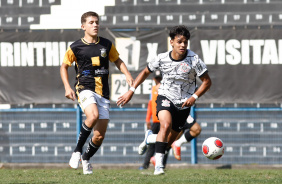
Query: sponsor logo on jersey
x=86, y=72
x=102, y=71
x=199, y=67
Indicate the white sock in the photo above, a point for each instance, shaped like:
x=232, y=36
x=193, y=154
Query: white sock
x=180, y=141
x=159, y=160
x=151, y=139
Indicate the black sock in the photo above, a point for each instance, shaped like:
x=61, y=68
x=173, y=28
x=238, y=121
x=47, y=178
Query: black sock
x=90, y=151
x=149, y=154
x=161, y=147
x=84, y=133
x=166, y=156
x=188, y=136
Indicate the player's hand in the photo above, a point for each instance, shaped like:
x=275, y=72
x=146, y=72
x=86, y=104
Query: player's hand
x=129, y=80
x=70, y=94
x=122, y=100
x=189, y=102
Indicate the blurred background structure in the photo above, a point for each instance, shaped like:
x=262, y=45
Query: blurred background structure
x=239, y=40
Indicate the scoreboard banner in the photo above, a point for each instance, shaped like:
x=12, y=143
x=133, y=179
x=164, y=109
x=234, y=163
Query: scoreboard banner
x=244, y=65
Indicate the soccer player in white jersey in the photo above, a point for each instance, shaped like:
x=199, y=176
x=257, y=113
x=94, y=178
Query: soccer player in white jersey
x=179, y=68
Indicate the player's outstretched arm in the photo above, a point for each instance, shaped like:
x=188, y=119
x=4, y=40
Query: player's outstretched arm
x=124, y=99
x=122, y=67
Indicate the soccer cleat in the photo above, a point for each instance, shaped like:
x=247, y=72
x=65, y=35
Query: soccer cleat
x=143, y=146
x=74, y=161
x=86, y=166
x=153, y=160
x=176, y=151
x=142, y=168
x=159, y=170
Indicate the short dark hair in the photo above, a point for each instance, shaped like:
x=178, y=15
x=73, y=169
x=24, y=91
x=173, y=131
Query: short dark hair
x=179, y=30
x=88, y=14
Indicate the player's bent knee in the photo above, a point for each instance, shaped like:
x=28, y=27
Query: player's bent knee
x=196, y=129
x=165, y=125
x=98, y=140
x=92, y=119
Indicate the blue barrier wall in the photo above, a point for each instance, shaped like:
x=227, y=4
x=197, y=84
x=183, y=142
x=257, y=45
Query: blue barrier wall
x=48, y=135
x=250, y=135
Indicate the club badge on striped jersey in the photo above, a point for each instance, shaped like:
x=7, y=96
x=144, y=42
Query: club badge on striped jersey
x=103, y=52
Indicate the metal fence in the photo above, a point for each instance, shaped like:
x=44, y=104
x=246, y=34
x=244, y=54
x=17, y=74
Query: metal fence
x=251, y=135
x=37, y=135
x=48, y=135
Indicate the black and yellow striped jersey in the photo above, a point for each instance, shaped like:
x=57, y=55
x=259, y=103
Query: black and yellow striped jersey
x=92, y=64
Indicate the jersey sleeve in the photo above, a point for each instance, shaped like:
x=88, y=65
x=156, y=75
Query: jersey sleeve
x=199, y=66
x=154, y=64
x=113, y=55
x=69, y=57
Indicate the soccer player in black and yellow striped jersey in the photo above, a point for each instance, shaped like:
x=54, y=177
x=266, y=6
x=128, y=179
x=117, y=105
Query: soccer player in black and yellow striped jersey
x=91, y=55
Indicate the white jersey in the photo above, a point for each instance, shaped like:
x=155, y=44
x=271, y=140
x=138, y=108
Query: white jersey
x=179, y=77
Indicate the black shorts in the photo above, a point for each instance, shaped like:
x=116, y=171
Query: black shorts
x=179, y=117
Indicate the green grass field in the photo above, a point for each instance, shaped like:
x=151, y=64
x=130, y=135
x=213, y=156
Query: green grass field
x=132, y=176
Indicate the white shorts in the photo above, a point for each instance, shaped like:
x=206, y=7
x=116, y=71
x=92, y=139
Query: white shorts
x=87, y=97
